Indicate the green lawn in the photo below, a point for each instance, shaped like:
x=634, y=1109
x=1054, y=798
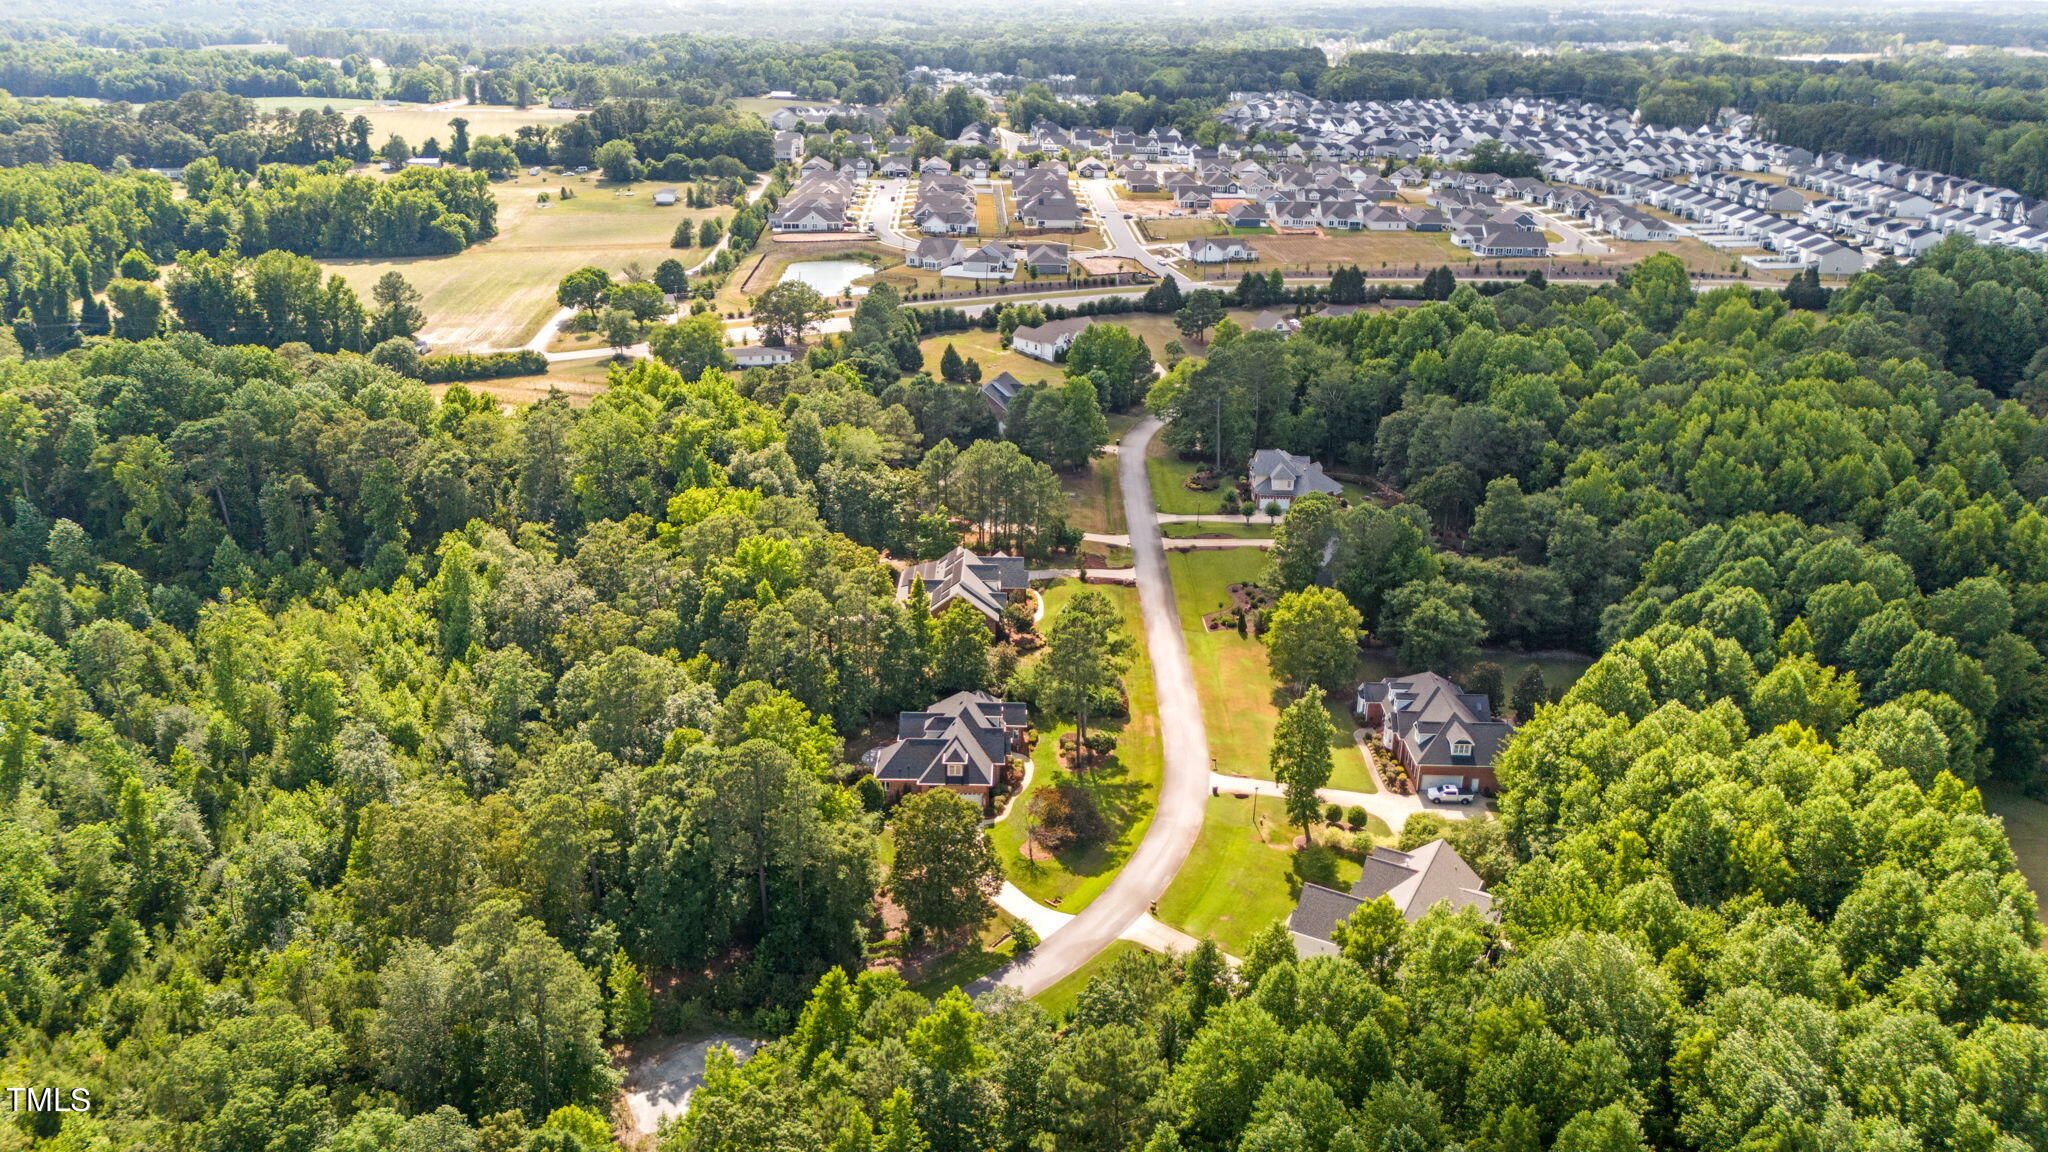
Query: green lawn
x=990, y=949
x=2026, y=826
x=1059, y=999
x=1184, y=530
x=1242, y=874
x=987, y=349
x=1095, y=501
x=1170, y=493
x=1126, y=790
x=1240, y=702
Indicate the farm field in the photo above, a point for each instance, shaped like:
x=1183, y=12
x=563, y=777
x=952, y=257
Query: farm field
x=415, y=123
x=499, y=293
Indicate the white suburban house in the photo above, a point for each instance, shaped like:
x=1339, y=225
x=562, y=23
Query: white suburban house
x=1048, y=341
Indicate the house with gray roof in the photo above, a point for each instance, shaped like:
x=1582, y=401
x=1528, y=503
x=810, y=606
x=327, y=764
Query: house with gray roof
x=983, y=583
x=1440, y=733
x=961, y=743
x=1414, y=881
x=1280, y=477
x=998, y=393
x=1049, y=340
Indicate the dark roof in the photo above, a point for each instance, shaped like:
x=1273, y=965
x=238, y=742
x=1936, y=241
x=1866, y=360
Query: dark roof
x=1414, y=881
x=984, y=582
x=961, y=741
x=1277, y=475
x=1431, y=716
x=1000, y=391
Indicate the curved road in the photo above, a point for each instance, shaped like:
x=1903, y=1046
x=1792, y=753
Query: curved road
x=1184, y=790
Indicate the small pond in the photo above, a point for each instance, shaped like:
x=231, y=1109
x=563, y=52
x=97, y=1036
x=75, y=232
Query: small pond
x=829, y=277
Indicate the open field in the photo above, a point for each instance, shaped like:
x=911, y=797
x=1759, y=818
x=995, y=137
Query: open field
x=416, y=123
x=1244, y=875
x=2026, y=826
x=1126, y=789
x=498, y=294
x=1162, y=229
x=1240, y=702
x=1059, y=999
x=580, y=380
x=987, y=348
x=764, y=107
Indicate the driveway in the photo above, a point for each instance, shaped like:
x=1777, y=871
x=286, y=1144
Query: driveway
x=1394, y=810
x=1184, y=791
x=658, y=1085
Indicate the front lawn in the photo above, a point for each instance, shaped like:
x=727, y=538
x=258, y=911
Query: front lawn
x=1240, y=702
x=1126, y=788
x=1059, y=999
x=1170, y=493
x=1243, y=873
x=991, y=948
x=1197, y=529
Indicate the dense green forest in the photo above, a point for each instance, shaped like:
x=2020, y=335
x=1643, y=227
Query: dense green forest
x=372, y=760
x=1749, y=895
x=337, y=714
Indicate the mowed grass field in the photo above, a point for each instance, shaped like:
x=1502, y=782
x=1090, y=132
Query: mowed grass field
x=1126, y=789
x=417, y=123
x=580, y=380
x=1244, y=874
x=987, y=348
x=1240, y=701
x=498, y=294
x=1061, y=997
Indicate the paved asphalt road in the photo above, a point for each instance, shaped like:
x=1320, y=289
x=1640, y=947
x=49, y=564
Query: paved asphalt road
x=1183, y=795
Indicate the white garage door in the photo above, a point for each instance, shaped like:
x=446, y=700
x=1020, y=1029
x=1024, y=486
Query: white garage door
x=1432, y=781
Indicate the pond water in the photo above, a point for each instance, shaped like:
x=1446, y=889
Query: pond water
x=829, y=277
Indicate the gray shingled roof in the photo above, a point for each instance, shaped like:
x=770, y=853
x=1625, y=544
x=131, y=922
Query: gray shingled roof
x=1415, y=882
x=961, y=741
x=983, y=582
x=1278, y=475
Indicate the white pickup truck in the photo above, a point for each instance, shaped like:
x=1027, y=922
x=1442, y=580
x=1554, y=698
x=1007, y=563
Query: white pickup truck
x=1448, y=794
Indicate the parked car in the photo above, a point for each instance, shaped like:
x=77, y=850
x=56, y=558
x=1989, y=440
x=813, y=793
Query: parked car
x=1448, y=794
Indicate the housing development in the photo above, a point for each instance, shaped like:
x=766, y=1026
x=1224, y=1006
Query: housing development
x=1189, y=578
